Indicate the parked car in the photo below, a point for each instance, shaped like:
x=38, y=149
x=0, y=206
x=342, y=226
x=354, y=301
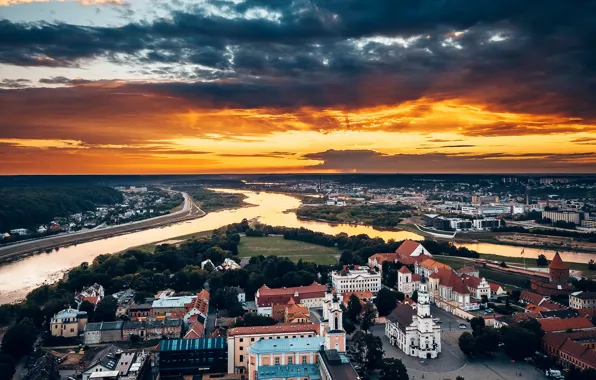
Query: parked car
x=463, y=326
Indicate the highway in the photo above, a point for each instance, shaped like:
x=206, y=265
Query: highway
x=189, y=211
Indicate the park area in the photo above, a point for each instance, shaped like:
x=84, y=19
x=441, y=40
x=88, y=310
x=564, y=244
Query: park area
x=292, y=249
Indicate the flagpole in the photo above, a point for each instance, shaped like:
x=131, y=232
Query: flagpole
x=522, y=253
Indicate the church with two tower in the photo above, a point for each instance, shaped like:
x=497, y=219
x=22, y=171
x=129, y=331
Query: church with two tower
x=411, y=328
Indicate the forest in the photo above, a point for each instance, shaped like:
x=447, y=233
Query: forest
x=374, y=215
x=28, y=207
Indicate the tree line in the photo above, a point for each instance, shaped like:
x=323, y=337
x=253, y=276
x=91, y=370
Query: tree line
x=374, y=215
x=28, y=207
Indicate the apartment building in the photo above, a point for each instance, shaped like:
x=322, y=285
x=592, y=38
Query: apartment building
x=582, y=300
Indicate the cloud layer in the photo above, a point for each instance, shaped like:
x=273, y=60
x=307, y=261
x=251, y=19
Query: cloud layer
x=472, y=69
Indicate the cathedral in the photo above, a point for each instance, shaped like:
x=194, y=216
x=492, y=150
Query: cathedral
x=411, y=327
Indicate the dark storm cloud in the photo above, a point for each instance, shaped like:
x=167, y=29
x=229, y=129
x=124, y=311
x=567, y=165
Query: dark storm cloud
x=372, y=161
x=308, y=55
x=15, y=83
x=63, y=80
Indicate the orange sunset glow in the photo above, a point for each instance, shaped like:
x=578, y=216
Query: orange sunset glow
x=259, y=89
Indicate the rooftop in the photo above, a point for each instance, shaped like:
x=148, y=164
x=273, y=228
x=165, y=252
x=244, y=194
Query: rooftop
x=192, y=344
x=172, y=302
x=280, y=328
x=557, y=263
x=267, y=346
x=289, y=371
x=558, y=324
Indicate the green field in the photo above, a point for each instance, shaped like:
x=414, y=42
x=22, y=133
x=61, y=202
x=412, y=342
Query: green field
x=294, y=250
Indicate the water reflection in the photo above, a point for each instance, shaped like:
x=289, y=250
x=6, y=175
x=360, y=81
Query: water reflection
x=18, y=278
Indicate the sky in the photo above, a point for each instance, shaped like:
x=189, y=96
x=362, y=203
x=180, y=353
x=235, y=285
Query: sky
x=292, y=86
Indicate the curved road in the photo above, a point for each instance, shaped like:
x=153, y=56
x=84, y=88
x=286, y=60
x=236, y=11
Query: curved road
x=188, y=211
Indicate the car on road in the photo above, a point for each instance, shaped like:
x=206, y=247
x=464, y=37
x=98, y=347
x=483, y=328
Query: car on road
x=463, y=326
x=422, y=362
x=437, y=320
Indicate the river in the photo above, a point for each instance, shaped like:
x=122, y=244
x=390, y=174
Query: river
x=20, y=277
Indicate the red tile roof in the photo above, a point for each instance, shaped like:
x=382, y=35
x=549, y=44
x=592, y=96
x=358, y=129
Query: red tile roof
x=196, y=331
x=551, y=306
x=281, y=328
x=587, y=312
x=471, y=281
x=416, y=277
x=518, y=317
x=531, y=297
x=381, y=257
x=558, y=324
x=93, y=300
x=404, y=269
x=407, y=248
x=557, y=263
x=466, y=269
x=281, y=296
x=580, y=352
x=494, y=287
x=450, y=279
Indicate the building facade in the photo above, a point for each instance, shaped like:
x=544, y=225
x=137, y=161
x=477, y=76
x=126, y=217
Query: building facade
x=412, y=329
x=68, y=323
x=359, y=279
x=407, y=282
x=582, y=300
x=310, y=296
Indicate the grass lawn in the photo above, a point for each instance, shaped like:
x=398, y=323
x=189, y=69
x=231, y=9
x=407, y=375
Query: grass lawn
x=151, y=246
x=294, y=250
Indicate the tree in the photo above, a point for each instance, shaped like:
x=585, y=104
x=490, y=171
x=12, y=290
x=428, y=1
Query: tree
x=414, y=296
x=393, y=369
x=7, y=367
x=252, y=319
x=534, y=326
x=348, y=325
x=487, y=341
x=106, y=310
x=467, y=344
x=477, y=324
x=503, y=264
x=519, y=342
x=367, y=319
x=459, y=378
x=541, y=261
x=354, y=307
x=89, y=308
x=369, y=348
x=134, y=338
x=591, y=265
x=19, y=339
x=385, y=301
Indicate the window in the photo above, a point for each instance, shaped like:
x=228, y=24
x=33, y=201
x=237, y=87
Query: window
x=241, y=358
x=290, y=360
x=252, y=339
x=241, y=348
x=304, y=360
x=241, y=340
x=277, y=361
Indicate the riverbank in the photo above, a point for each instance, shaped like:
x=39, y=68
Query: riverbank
x=25, y=249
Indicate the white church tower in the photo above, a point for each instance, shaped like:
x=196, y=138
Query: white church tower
x=429, y=333
x=331, y=326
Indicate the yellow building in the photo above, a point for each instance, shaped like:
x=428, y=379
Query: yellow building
x=68, y=323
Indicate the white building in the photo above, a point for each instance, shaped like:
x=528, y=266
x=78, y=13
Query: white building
x=487, y=223
x=407, y=282
x=359, y=279
x=411, y=328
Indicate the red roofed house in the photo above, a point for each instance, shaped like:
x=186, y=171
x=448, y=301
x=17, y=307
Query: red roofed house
x=291, y=313
x=562, y=325
x=376, y=261
x=312, y=295
x=450, y=291
x=569, y=350
x=93, y=294
x=477, y=286
x=196, y=331
x=364, y=297
x=407, y=282
x=198, y=306
x=410, y=248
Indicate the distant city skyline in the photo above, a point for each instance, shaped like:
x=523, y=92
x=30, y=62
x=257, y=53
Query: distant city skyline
x=254, y=86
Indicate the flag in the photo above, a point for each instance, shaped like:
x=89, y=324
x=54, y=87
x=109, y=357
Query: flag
x=522, y=252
